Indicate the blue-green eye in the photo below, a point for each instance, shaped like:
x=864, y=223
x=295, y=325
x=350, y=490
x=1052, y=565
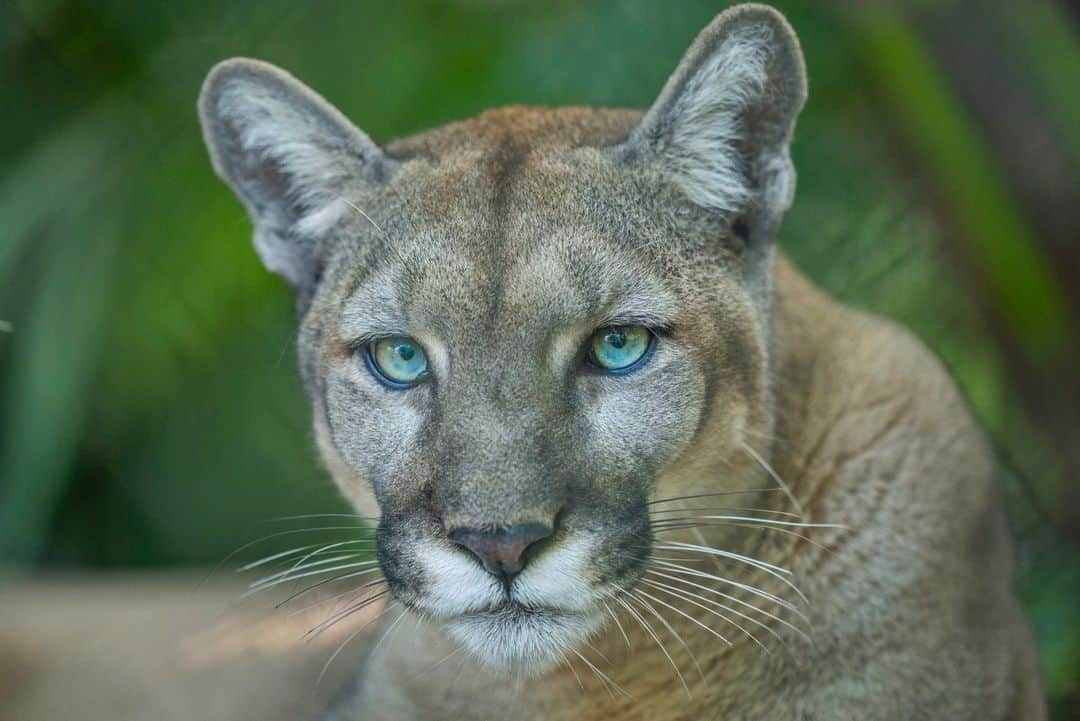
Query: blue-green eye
x=398, y=362
x=620, y=349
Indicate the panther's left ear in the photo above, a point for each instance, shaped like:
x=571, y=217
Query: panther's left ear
x=291, y=157
x=722, y=124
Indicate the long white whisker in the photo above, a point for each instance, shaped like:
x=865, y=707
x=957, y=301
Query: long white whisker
x=672, y=499
x=741, y=509
x=318, y=629
x=775, y=476
x=286, y=579
x=278, y=534
x=328, y=547
x=297, y=569
x=685, y=615
x=364, y=215
x=345, y=643
x=618, y=625
x=775, y=571
x=685, y=597
x=275, y=556
x=649, y=630
x=683, y=570
x=325, y=581
x=751, y=519
x=728, y=597
x=670, y=629
x=672, y=527
x=326, y=515
x=322, y=602
x=573, y=671
x=438, y=663
x=636, y=594
x=608, y=683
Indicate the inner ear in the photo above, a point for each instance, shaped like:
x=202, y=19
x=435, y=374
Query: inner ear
x=741, y=229
x=721, y=126
x=290, y=157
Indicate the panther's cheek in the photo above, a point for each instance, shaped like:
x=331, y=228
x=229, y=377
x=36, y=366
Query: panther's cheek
x=369, y=430
x=641, y=425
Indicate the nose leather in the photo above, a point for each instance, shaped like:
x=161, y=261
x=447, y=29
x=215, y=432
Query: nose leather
x=502, y=550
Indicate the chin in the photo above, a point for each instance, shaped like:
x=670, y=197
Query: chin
x=521, y=640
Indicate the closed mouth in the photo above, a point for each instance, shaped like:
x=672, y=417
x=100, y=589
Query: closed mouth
x=515, y=610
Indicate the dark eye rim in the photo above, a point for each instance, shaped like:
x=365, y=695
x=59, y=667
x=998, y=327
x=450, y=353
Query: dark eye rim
x=596, y=368
x=373, y=366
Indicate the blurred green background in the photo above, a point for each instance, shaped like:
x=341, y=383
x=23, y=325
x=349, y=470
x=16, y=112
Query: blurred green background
x=150, y=410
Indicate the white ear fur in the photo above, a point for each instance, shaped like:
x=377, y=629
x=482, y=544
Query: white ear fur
x=702, y=143
x=723, y=122
x=288, y=155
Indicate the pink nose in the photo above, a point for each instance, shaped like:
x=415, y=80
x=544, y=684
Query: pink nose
x=502, y=551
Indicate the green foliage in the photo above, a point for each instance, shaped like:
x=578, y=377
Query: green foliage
x=150, y=410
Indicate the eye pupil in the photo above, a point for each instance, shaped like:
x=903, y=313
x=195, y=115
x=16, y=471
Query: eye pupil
x=406, y=351
x=616, y=339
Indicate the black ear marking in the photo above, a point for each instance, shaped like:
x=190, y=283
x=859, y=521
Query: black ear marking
x=741, y=229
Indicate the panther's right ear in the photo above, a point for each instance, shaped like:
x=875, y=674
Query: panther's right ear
x=289, y=156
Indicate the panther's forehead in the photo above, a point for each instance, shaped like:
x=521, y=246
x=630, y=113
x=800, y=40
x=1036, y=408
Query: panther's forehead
x=510, y=132
x=563, y=281
x=462, y=250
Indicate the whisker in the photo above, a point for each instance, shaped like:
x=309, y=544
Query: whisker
x=364, y=215
x=438, y=663
x=618, y=624
x=315, y=631
x=350, y=638
x=336, y=596
x=664, y=622
x=775, y=571
x=724, y=508
x=608, y=683
x=272, y=584
x=671, y=629
x=357, y=516
x=327, y=547
x=573, y=671
x=295, y=569
x=649, y=630
x=275, y=556
x=775, y=476
x=683, y=570
x=675, y=594
x=278, y=534
x=728, y=597
x=751, y=519
x=672, y=499
x=667, y=528
x=323, y=582
x=685, y=615
x=597, y=651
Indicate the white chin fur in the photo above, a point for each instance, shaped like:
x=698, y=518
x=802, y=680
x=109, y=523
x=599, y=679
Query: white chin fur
x=521, y=641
